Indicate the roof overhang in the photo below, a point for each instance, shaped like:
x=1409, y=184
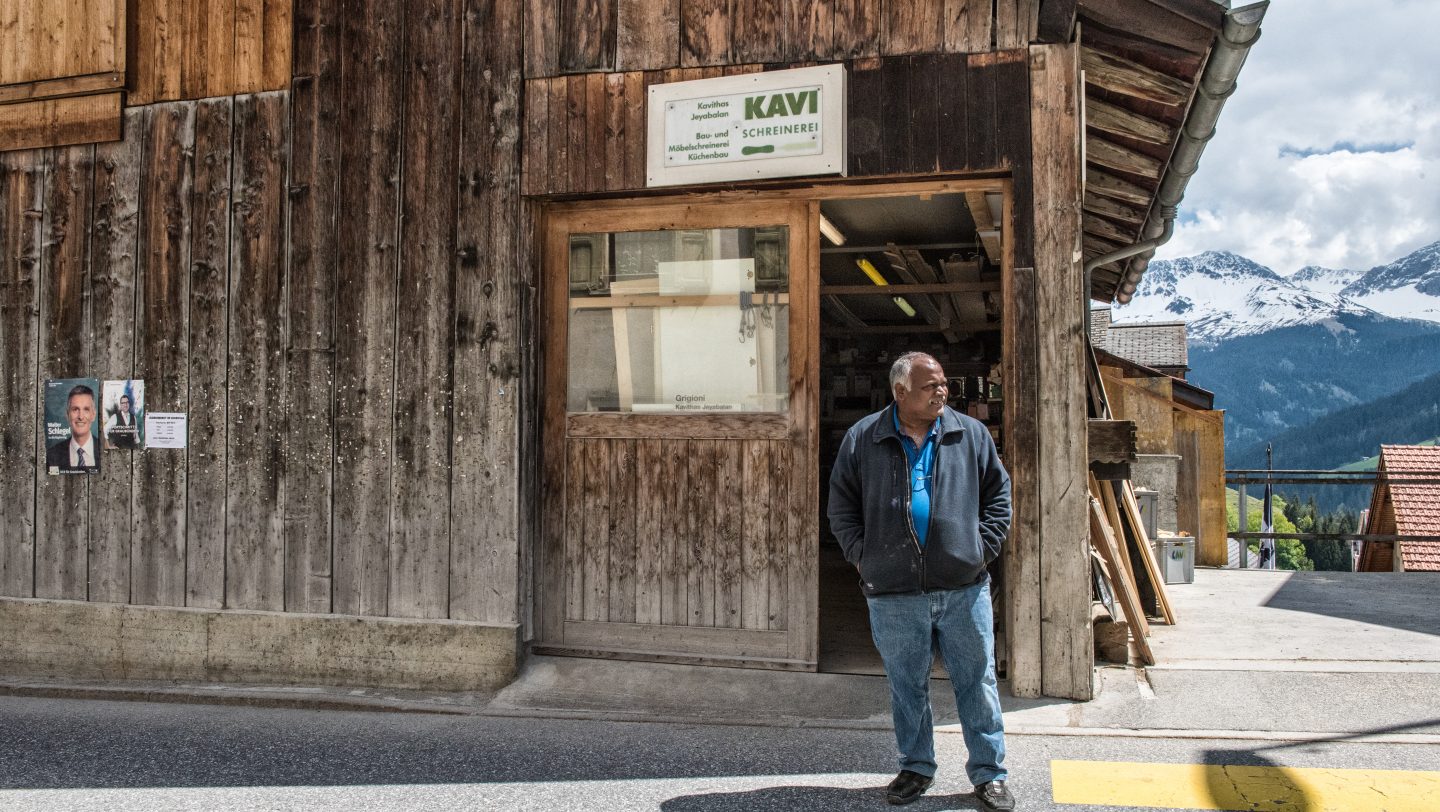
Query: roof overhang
x=1157, y=74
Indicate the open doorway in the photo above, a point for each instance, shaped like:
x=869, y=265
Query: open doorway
x=913, y=272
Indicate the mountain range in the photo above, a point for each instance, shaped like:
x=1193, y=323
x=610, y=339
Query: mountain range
x=1282, y=352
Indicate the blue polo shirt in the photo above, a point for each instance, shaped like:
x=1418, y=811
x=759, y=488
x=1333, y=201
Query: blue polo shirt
x=921, y=462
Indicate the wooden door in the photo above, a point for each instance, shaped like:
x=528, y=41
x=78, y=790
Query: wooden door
x=679, y=527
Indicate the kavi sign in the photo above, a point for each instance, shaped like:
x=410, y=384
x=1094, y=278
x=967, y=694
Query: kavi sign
x=758, y=125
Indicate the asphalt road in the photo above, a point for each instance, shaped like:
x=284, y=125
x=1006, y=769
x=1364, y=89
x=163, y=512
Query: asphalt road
x=70, y=754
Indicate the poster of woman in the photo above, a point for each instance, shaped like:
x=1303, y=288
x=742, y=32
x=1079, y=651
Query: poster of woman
x=72, y=436
x=124, y=404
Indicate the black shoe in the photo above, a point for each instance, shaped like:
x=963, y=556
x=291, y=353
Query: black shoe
x=907, y=786
x=995, y=796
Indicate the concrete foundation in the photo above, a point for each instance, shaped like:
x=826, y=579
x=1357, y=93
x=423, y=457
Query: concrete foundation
x=79, y=640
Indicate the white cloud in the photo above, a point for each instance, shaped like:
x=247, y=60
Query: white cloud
x=1328, y=153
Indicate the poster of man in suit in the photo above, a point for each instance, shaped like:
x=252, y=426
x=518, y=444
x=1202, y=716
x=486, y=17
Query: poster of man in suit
x=124, y=404
x=72, y=426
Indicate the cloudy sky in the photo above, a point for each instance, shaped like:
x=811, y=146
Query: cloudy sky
x=1329, y=151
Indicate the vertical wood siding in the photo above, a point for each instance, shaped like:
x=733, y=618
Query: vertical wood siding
x=192, y=49
x=330, y=283
x=583, y=36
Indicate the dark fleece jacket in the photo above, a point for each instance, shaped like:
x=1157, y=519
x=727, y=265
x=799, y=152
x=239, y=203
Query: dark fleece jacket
x=870, y=506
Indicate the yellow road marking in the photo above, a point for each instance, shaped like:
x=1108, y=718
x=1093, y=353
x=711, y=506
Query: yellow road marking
x=1253, y=789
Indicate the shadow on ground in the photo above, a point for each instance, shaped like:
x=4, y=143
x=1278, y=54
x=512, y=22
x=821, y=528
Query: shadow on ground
x=1395, y=600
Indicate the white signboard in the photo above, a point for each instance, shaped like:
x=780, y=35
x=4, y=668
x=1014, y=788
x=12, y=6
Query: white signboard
x=165, y=429
x=758, y=125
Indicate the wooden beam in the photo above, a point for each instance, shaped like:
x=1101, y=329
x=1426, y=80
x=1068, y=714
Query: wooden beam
x=1111, y=441
x=923, y=304
x=1102, y=536
x=1056, y=20
x=905, y=329
x=1109, y=154
x=1066, y=635
x=985, y=225
x=60, y=122
x=68, y=86
x=1107, y=230
x=1116, y=120
x=1103, y=183
x=1114, y=209
x=1129, y=78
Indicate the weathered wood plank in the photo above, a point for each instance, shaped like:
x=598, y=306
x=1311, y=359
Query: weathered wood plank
x=698, y=504
x=648, y=34
x=1107, y=185
x=573, y=568
x=249, y=47
x=485, y=529
x=1065, y=561
x=912, y=27
x=705, y=33
x=424, y=324
x=365, y=306
x=865, y=141
x=1115, y=120
x=256, y=415
x=896, y=76
x=558, y=157
x=980, y=104
x=536, y=179
x=635, y=131
x=1114, y=209
x=675, y=529
x=857, y=28
x=157, y=575
x=61, y=509
x=1103, y=152
x=112, y=258
x=758, y=31
x=926, y=72
x=209, y=333
x=310, y=262
x=59, y=122
x=587, y=35
x=622, y=530
x=650, y=537
x=730, y=507
x=277, y=31
x=577, y=112
x=542, y=38
x=1020, y=451
x=596, y=147
x=967, y=25
x=21, y=447
x=1129, y=78
x=596, y=542
x=757, y=487
x=952, y=113
x=809, y=30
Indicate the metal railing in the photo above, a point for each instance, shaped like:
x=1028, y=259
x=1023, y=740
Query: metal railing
x=1241, y=477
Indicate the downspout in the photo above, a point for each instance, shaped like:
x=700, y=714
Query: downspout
x=1238, y=33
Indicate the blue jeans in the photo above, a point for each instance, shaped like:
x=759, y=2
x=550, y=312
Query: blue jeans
x=958, y=622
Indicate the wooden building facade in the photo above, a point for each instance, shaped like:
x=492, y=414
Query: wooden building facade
x=338, y=236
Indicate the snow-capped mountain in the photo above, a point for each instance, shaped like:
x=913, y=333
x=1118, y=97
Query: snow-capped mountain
x=1409, y=287
x=1324, y=280
x=1221, y=295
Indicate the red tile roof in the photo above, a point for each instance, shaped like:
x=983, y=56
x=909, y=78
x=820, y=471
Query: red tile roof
x=1417, y=507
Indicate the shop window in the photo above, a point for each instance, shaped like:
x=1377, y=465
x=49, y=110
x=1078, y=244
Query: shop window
x=679, y=321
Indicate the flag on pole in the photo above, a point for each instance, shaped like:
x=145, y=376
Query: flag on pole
x=1267, y=521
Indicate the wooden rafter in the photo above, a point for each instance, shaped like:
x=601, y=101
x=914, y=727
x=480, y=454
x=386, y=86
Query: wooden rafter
x=990, y=286
x=1103, y=183
x=985, y=225
x=1105, y=229
x=924, y=304
x=1106, y=153
x=841, y=313
x=1110, y=118
x=1114, y=209
x=1128, y=78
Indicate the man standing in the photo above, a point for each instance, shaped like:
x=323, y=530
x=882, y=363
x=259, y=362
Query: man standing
x=920, y=505
x=77, y=451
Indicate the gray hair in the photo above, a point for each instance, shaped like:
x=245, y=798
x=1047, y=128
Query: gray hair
x=900, y=370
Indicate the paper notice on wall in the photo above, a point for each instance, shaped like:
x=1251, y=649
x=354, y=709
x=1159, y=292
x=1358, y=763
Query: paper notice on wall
x=165, y=429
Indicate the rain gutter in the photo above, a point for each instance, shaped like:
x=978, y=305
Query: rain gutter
x=1239, y=31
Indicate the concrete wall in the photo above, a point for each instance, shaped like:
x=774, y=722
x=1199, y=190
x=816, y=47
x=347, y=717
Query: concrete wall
x=79, y=640
x=1158, y=472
